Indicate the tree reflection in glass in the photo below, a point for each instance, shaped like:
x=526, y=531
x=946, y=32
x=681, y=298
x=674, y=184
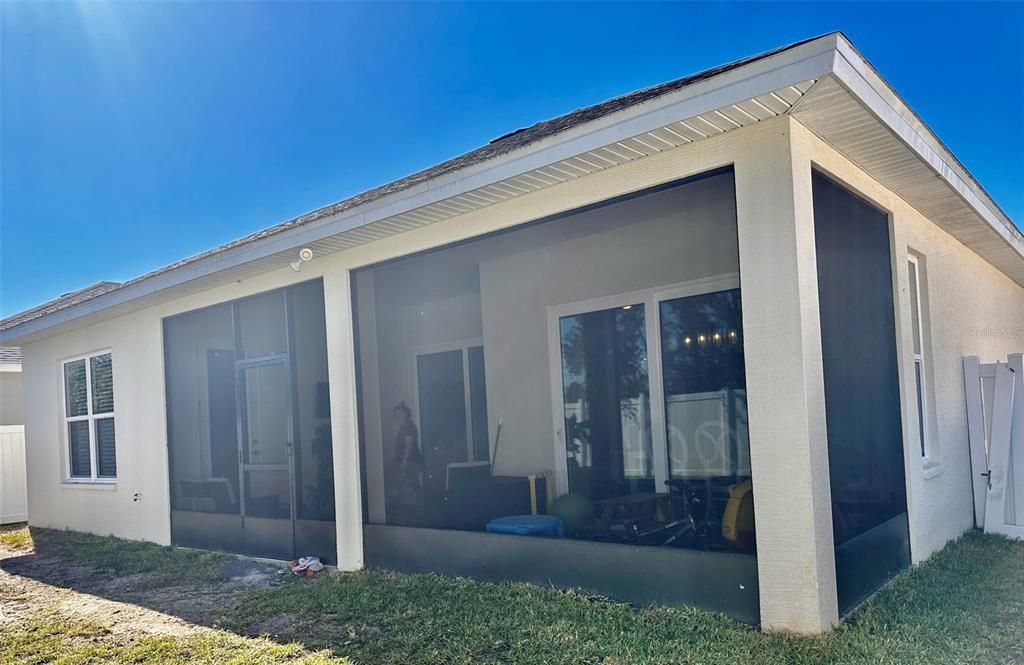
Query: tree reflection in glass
x=606, y=397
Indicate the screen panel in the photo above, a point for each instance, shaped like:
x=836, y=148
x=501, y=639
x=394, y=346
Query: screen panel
x=862, y=398
x=258, y=367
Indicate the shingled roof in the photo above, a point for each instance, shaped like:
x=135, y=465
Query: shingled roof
x=500, y=146
x=57, y=304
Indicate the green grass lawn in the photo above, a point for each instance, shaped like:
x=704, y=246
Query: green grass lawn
x=965, y=605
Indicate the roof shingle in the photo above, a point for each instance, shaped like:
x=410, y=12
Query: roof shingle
x=57, y=304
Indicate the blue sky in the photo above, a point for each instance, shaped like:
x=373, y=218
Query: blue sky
x=133, y=135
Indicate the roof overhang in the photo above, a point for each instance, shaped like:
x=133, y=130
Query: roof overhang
x=862, y=117
x=824, y=83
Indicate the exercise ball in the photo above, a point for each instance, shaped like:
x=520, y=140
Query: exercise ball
x=575, y=511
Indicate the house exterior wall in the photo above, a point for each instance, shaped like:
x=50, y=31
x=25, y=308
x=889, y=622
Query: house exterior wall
x=134, y=342
x=969, y=308
x=772, y=164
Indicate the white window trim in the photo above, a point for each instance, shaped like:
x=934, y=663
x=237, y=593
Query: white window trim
x=921, y=404
x=460, y=345
x=650, y=298
x=91, y=417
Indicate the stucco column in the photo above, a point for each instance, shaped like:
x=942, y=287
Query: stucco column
x=341, y=373
x=785, y=389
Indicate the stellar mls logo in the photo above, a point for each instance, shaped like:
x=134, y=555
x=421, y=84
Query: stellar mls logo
x=1013, y=332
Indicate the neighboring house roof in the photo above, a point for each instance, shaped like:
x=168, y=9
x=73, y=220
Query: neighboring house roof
x=10, y=355
x=777, y=82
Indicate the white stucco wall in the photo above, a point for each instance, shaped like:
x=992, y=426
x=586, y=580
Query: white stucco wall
x=772, y=161
x=134, y=342
x=969, y=308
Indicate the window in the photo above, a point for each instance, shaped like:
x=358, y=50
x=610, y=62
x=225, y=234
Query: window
x=652, y=392
x=917, y=326
x=89, y=418
x=451, y=407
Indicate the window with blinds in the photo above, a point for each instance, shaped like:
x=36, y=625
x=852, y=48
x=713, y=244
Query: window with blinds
x=89, y=418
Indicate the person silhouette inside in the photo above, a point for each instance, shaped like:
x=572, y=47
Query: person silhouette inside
x=407, y=466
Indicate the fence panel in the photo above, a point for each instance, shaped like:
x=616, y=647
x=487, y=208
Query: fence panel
x=13, y=491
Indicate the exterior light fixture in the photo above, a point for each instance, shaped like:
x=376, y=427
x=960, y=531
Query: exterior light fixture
x=305, y=254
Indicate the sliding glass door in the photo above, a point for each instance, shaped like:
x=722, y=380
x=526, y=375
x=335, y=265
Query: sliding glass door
x=606, y=402
x=649, y=397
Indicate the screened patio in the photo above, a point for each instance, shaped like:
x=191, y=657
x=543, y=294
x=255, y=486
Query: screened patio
x=540, y=404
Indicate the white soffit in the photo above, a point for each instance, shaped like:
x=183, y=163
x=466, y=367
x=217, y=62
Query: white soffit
x=683, y=132
x=854, y=111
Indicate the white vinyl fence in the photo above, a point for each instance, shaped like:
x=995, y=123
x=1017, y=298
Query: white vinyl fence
x=995, y=422
x=707, y=435
x=13, y=494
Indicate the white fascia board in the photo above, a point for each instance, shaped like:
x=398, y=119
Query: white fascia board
x=798, y=64
x=10, y=367
x=853, y=72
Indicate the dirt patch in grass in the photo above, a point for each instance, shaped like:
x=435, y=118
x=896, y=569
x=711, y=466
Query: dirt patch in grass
x=89, y=599
x=15, y=537
x=50, y=636
x=141, y=588
x=161, y=565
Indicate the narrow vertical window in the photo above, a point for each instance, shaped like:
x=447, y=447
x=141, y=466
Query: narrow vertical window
x=89, y=418
x=917, y=328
